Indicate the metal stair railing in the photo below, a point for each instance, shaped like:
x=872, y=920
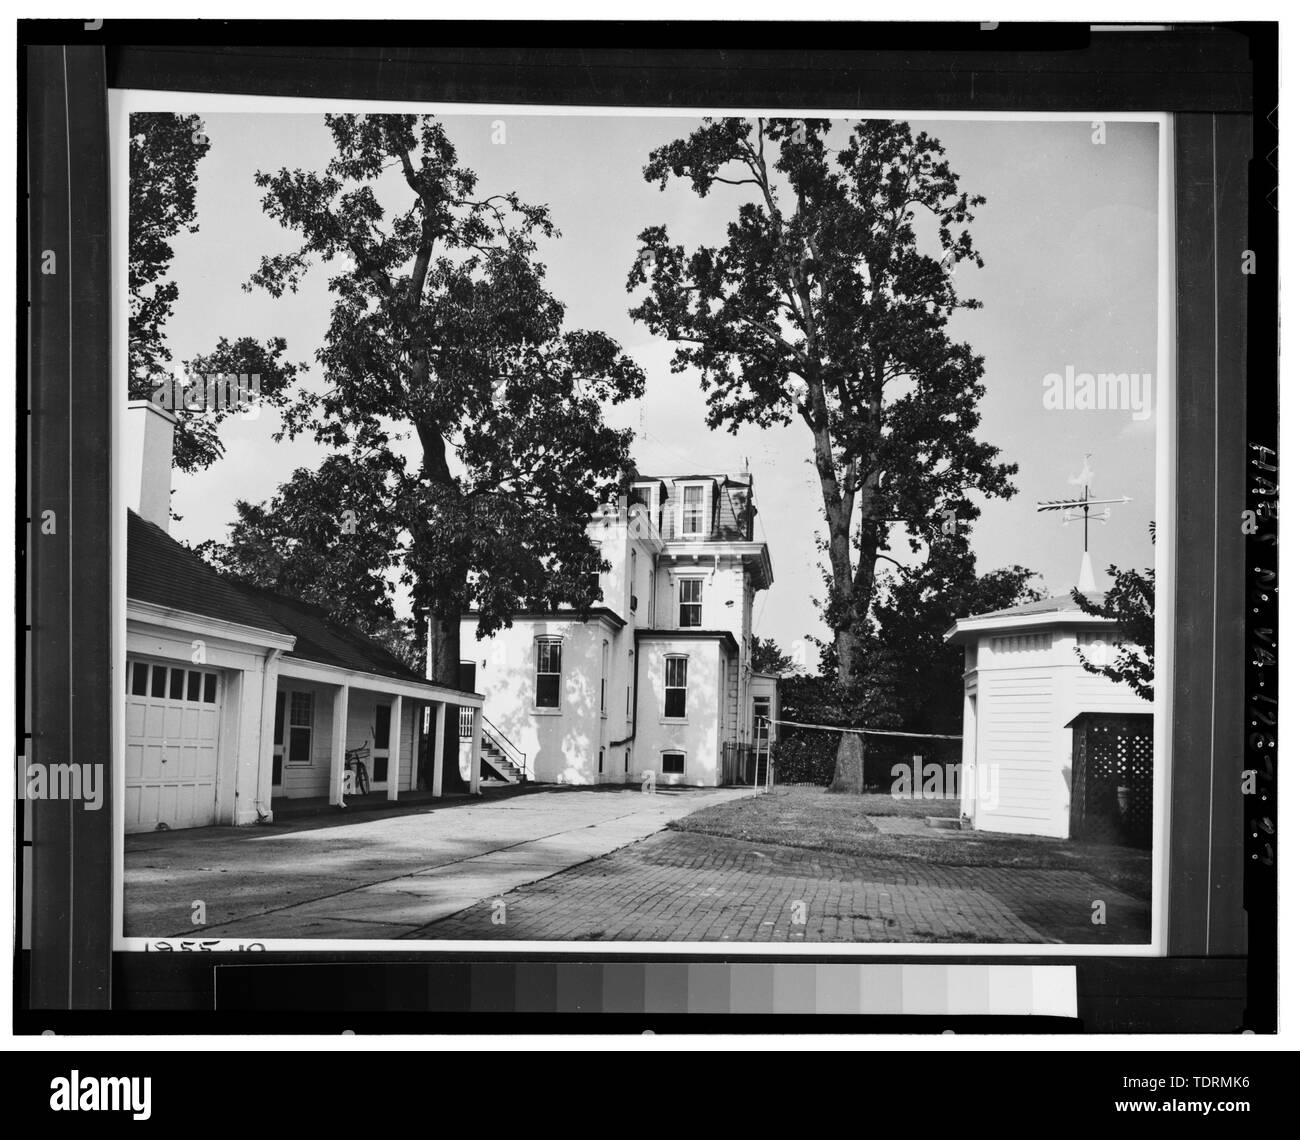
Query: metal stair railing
x=506, y=747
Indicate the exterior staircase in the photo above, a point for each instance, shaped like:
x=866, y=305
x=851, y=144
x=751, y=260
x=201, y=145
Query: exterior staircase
x=500, y=762
x=497, y=765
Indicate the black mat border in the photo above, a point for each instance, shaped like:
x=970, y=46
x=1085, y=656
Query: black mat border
x=1213, y=77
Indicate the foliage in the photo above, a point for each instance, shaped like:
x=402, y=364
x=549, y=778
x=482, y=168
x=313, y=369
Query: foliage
x=301, y=542
x=805, y=758
x=164, y=153
x=766, y=657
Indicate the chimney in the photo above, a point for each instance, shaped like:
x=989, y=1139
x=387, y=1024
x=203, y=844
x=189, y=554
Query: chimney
x=147, y=444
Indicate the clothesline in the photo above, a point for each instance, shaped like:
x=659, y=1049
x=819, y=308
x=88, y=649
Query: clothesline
x=864, y=731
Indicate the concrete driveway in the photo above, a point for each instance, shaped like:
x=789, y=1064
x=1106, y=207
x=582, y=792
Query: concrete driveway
x=384, y=875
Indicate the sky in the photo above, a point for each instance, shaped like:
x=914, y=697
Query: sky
x=1069, y=240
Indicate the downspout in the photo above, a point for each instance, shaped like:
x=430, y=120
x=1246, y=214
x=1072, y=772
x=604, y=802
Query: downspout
x=740, y=700
x=263, y=813
x=636, y=689
x=636, y=652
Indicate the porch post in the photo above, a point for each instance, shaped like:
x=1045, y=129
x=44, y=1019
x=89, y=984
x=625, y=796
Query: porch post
x=338, y=744
x=475, y=750
x=417, y=721
x=266, y=733
x=395, y=747
x=439, y=727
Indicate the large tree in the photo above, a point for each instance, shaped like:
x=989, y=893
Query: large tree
x=442, y=327
x=822, y=306
x=164, y=153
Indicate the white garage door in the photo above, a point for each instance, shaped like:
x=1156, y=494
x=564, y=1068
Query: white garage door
x=173, y=720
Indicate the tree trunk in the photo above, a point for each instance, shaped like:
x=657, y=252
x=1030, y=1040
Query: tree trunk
x=856, y=591
x=848, y=758
x=445, y=627
x=446, y=608
x=848, y=765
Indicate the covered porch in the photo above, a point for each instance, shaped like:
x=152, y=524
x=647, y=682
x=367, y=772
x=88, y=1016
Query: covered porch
x=401, y=730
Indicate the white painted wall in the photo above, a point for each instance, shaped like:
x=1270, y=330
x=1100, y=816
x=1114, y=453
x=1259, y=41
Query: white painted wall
x=723, y=583
x=561, y=745
x=698, y=735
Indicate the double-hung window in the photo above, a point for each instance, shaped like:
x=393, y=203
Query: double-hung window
x=694, y=510
x=675, y=688
x=548, y=673
x=690, y=598
x=300, y=727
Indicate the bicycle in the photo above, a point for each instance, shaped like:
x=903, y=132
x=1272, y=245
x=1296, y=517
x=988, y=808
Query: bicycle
x=356, y=776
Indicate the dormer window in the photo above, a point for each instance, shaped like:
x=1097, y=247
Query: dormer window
x=694, y=510
x=647, y=494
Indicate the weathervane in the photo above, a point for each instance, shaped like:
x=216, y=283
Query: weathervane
x=1083, y=508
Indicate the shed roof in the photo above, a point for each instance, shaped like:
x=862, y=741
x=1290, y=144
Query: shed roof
x=1059, y=603
x=1060, y=609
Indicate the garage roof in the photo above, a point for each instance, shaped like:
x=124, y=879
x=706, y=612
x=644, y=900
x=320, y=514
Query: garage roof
x=162, y=571
x=325, y=641
x=165, y=573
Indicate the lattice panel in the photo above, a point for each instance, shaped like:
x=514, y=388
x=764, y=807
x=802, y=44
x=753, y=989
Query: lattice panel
x=1113, y=777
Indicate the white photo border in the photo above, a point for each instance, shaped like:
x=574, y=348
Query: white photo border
x=124, y=102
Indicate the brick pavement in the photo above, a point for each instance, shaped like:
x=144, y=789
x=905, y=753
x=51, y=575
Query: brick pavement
x=686, y=887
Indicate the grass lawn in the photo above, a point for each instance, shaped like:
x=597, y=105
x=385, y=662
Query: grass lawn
x=812, y=817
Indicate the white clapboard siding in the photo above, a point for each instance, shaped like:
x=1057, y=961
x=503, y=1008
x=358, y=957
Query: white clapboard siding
x=1018, y=734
